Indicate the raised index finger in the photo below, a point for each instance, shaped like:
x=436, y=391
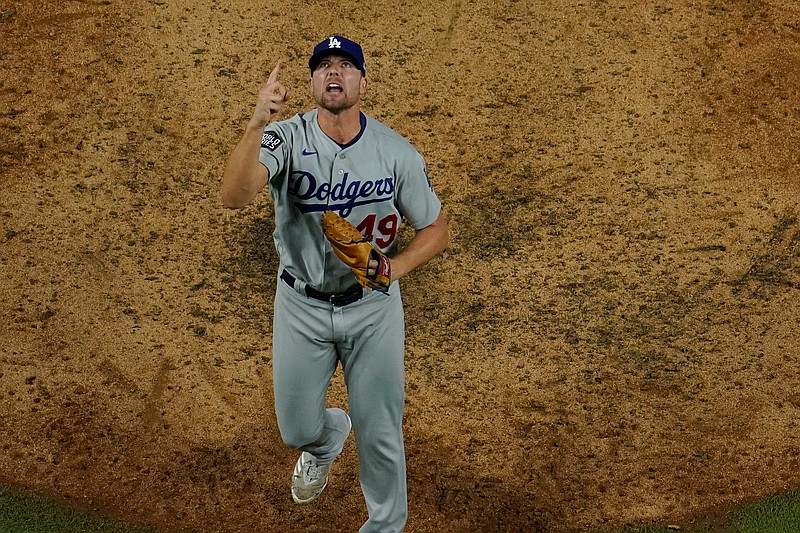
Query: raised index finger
x=273, y=76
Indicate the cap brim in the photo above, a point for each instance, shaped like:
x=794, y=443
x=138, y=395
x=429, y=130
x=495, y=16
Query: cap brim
x=317, y=58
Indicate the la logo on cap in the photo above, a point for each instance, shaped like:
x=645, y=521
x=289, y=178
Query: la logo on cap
x=337, y=45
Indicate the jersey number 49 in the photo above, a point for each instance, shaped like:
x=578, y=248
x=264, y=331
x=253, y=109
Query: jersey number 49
x=385, y=228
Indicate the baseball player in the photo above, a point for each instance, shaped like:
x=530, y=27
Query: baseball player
x=334, y=172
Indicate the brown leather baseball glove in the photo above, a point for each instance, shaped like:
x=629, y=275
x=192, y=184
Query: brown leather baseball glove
x=356, y=252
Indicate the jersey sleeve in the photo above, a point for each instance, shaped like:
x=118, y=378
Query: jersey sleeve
x=274, y=149
x=416, y=199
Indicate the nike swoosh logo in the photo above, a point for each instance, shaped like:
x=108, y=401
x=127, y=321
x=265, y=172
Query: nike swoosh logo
x=309, y=152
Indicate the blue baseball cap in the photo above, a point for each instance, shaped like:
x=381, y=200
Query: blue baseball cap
x=338, y=45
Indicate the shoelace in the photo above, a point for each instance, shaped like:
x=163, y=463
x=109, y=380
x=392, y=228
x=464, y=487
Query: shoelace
x=312, y=472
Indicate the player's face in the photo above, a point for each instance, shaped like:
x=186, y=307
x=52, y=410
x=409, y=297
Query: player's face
x=337, y=84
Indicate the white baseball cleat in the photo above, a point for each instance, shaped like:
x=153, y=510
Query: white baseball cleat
x=310, y=479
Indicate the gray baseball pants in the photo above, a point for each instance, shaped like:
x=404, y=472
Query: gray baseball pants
x=310, y=337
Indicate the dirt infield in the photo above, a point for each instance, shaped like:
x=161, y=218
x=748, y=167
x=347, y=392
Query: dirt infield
x=611, y=338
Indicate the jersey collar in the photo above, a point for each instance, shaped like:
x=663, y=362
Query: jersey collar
x=363, y=120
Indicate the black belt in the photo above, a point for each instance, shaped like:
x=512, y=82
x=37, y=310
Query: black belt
x=336, y=298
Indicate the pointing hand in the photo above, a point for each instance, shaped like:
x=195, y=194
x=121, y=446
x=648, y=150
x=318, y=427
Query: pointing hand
x=272, y=96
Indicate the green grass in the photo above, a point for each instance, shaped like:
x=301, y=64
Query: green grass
x=776, y=514
x=23, y=513
x=656, y=529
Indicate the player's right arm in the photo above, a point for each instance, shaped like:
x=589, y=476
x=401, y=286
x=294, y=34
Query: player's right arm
x=244, y=176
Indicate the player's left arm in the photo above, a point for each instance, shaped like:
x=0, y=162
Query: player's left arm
x=426, y=244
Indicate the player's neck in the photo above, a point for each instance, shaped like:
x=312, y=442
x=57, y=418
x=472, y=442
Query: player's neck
x=343, y=126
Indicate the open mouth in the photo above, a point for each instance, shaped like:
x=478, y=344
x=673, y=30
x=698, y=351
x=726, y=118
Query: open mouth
x=333, y=88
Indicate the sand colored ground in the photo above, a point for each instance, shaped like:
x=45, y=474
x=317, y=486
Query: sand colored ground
x=610, y=339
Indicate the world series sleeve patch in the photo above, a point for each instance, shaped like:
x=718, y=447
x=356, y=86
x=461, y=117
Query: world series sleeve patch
x=271, y=140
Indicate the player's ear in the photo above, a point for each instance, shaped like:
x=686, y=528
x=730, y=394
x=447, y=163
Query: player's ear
x=364, y=84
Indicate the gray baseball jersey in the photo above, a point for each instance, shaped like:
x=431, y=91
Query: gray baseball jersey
x=376, y=181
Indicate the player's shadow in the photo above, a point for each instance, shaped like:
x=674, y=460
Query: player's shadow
x=471, y=501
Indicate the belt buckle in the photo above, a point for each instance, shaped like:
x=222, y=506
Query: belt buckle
x=342, y=299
